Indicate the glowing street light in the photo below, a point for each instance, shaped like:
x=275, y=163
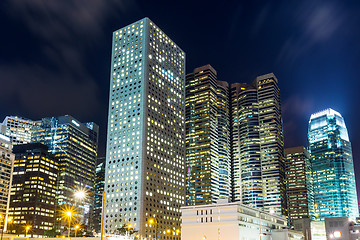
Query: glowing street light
x=337, y=234
x=27, y=228
x=77, y=227
x=80, y=194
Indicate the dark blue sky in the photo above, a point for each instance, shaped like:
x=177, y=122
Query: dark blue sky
x=55, y=55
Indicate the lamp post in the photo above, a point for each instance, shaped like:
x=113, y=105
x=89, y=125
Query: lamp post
x=27, y=228
x=82, y=194
x=76, y=229
x=69, y=214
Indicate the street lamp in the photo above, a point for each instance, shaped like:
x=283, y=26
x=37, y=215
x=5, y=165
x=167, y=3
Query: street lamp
x=27, y=228
x=81, y=194
x=76, y=229
x=153, y=221
x=69, y=214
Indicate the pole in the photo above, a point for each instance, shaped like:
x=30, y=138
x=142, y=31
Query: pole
x=2, y=231
x=102, y=216
x=69, y=227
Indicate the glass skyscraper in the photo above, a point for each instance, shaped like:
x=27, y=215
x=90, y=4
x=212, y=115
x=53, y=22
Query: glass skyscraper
x=75, y=145
x=207, y=137
x=258, y=163
x=332, y=166
x=144, y=176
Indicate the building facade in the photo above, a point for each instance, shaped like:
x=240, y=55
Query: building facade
x=233, y=221
x=208, y=165
x=332, y=166
x=33, y=191
x=19, y=129
x=98, y=198
x=258, y=163
x=299, y=184
x=75, y=145
x=246, y=162
x=144, y=177
x=6, y=166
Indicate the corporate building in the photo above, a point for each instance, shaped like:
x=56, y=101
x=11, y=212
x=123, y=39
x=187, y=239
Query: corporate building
x=6, y=164
x=208, y=165
x=332, y=166
x=237, y=128
x=98, y=198
x=299, y=184
x=144, y=177
x=33, y=190
x=74, y=144
x=234, y=220
x=19, y=129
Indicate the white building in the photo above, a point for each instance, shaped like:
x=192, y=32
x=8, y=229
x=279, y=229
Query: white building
x=19, y=129
x=232, y=221
x=144, y=175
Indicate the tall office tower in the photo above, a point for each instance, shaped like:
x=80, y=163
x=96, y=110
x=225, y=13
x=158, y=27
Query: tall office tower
x=258, y=162
x=99, y=190
x=144, y=178
x=246, y=170
x=271, y=144
x=33, y=190
x=299, y=186
x=19, y=129
x=207, y=137
x=6, y=166
x=74, y=144
x=332, y=166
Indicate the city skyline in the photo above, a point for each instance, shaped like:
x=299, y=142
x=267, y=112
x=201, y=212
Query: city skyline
x=324, y=48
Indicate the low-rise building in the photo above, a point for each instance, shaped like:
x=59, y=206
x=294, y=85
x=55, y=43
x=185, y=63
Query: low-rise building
x=231, y=221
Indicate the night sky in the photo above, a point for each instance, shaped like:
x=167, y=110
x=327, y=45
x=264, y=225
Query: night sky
x=55, y=54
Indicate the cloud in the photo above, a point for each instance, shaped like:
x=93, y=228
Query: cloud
x=57, y=80
x=315, y=23
x=34, y=88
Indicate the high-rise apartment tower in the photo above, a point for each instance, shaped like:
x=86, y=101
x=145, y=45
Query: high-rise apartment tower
x=144, y=177
x=332, y=166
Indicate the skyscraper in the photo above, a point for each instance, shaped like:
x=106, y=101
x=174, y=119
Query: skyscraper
x=33, y=190
x=74, y=144
x=271, y=144
x=99, y=190
x=246, y=163
x=258, y=162
x=6, y=166
x=332, y=166
x=299, y=184
x=207, y=137
x=144, y=178
x=19, y=129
